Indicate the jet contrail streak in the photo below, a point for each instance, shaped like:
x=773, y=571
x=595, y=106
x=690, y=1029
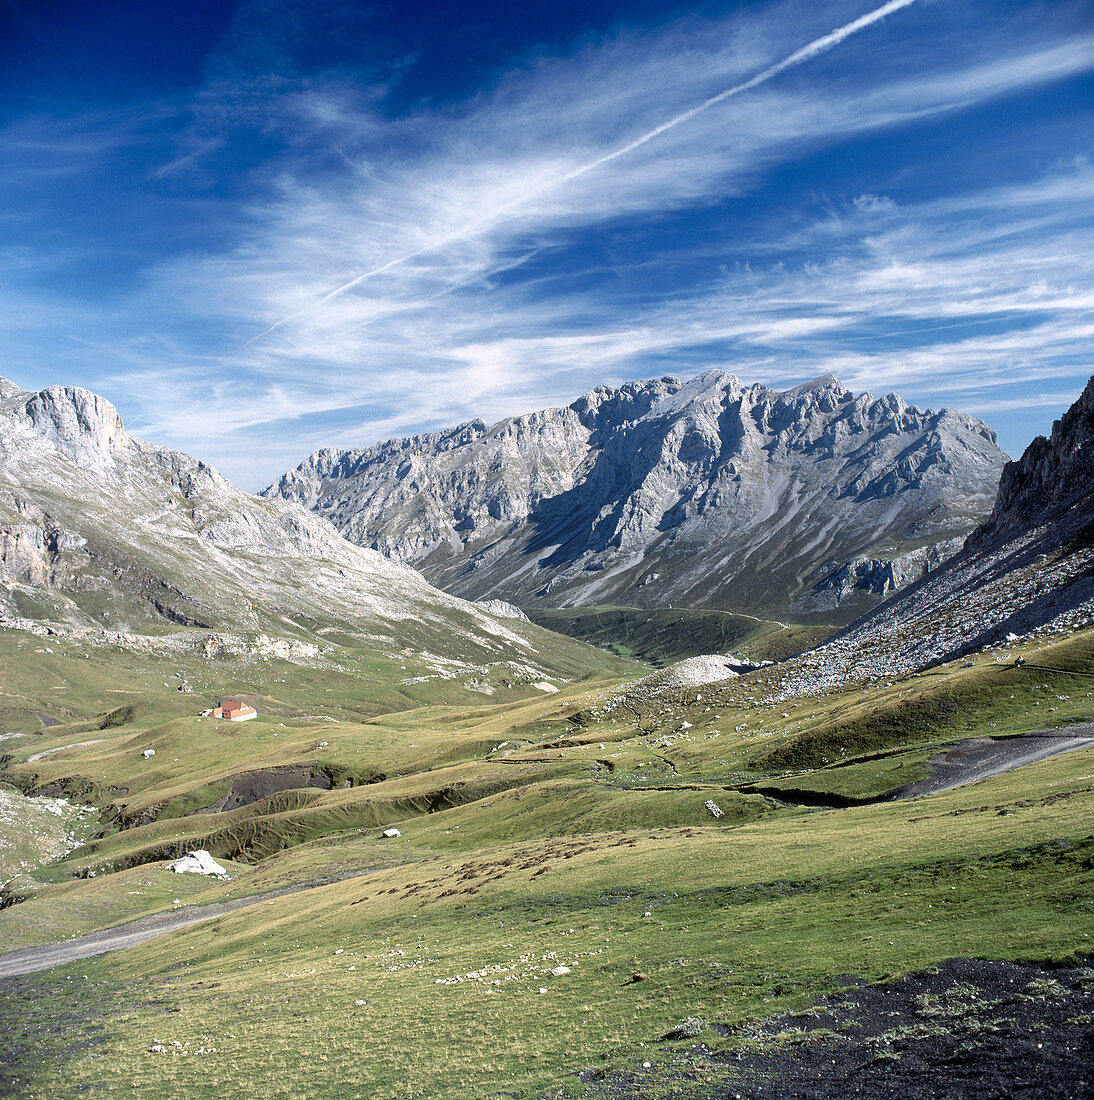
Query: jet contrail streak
x=806, y=53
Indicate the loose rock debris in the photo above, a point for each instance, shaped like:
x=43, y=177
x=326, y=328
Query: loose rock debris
x=967, y=1028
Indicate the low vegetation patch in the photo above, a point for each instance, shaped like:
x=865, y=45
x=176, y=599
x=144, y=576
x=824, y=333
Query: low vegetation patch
x=661, y=636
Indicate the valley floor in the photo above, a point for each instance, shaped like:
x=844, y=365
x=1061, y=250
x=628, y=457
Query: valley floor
x=562, y=905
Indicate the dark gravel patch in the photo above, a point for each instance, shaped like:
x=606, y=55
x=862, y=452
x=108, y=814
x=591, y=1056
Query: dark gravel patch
x=981, y=757
x=968, y=1028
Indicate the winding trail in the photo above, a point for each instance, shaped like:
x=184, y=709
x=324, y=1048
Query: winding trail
x=29, y=960
x=61, y=748
x=982, y=757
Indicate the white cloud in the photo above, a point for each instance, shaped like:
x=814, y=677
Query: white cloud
x=417, y=270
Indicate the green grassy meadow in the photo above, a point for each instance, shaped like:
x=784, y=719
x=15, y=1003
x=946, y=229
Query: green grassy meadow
x=534, y=836
x=660, y=636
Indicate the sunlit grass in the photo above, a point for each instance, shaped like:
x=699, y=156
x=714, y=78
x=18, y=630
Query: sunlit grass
x=557, y=849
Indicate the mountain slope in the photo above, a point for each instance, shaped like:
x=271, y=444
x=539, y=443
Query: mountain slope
x=99, y=530
x=707, y=494
x=1029, y=567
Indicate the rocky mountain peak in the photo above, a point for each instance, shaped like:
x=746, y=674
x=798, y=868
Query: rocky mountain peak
x=605, y=406
x=114, y=538
x=706, y=492
x=822, y=384
x=1053, y=476
x=74, y=421
x=1029, y=567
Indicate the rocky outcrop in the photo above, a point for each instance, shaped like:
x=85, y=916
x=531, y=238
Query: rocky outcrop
x=503, y=609
x=1054, y=477
x=879, y=577
x=706, y=493
x=1029, y=567
x=76, y=422
x=25, y=555
x=38, y=552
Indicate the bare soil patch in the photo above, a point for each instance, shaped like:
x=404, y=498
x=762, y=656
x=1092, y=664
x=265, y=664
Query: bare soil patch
x=969, y=1028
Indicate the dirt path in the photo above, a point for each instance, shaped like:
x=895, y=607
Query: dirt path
x=982, y=757
x=61, y=748
x=29, y=960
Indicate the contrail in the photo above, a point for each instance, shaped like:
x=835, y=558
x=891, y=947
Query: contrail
x=799, y=57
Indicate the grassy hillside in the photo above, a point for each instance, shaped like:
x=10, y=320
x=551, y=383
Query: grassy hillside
x=538, y=831
x=661, y=636
x=75, y=682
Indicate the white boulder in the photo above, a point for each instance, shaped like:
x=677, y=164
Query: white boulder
x=198, y=862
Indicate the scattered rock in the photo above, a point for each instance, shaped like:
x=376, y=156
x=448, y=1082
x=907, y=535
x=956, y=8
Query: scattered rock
x=690, y=1028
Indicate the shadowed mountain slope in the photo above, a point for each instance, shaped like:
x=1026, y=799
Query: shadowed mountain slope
x=708, y=493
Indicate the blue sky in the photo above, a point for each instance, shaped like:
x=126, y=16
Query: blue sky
x=264, y=227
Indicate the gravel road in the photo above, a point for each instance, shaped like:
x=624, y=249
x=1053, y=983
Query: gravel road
x=982, y=757
x=29, y=960
x=61, y=748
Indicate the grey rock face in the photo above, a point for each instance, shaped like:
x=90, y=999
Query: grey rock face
x=1029, y=568
x=76, y=422
x=707, y=493
x=40, y=556
x=103, y=532
x=503, y=610
x=879, y=576
x=1052, y=481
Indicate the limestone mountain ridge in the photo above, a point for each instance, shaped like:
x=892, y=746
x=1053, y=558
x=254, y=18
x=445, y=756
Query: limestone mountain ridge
x=1029, y=568
x=110, y=537
x=706, y=493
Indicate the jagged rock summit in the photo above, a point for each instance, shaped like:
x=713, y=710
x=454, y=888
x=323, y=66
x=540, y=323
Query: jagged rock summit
x=706, y=493
x=1029, y=567
x=1053, y=481
x=106, y=535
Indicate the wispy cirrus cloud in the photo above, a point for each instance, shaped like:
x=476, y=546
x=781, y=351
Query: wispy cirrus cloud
x=514, y=205
x=726, y=191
